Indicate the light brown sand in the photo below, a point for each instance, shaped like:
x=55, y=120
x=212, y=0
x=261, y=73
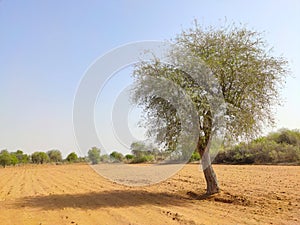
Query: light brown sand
x=76, y=194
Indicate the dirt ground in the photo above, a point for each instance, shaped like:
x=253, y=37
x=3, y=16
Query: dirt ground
x=76, y=194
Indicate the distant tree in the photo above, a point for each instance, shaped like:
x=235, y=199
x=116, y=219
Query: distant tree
x=82, y=159
x=290, y=137
x=22, y=158
x=35, y=157
x=104, y=158
x=138, y=148
x=129, y=157
x=54, y=155
x=94, y=155
x=5, y=158
x=72, y=157
x=13, y=159
x=19, y=154
x=44, y=157
x=39, y=157
x=143, y=159
x=116, y=156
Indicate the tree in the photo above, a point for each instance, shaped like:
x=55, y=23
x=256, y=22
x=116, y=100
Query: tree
x=39, y=157
x=290, y=137
x=44, y=158
x=13, y=159
x=22, y=158
x=129, y=157
x=72, y=157
x=5, y=158
x=94, y=155
x=54, y=155
x=248, y=78
x=116, y=156
x=104, y=158
x=138, y=148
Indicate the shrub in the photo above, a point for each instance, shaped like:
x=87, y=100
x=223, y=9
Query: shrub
x=13, y=159
x=72, y=157
x=278, y=147
x=39, y=157
x=94, y=155
x=104, y=158
x=5, y=158
x=143, y=159
x=116, y=156
x=54, y=156
x=195, y=156
x=22, y=158
x=129, y=157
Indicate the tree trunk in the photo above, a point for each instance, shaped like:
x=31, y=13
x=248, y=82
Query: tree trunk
x=203, y=147
x=210, y=176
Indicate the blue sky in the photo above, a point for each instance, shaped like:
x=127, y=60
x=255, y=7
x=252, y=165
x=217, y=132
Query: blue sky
x=46, y=46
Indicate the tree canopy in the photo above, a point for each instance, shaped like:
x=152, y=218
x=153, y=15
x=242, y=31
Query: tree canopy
x=5, y=158
x=40, y=157
x=72, y=157
x=54, y=155
x=94, y=155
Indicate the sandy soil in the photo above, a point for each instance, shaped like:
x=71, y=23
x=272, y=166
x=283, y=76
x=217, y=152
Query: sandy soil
x=76, y=194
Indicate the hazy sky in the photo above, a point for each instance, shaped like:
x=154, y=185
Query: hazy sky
x=46, y=47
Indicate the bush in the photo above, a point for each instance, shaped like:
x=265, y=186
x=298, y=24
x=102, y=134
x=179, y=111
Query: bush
x=39, y=157
x=54, y=156
x=195, y=156
x=21, y=157
x=72, y=157
x=278, y=147
x=143, y=159
x=105, y=158
x=5, y=158
x=94, y=155
x=116, y=156
x=288, y=137
x=129, y=157
x=13, y=159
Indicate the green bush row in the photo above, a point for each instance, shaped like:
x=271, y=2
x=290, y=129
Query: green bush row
x=52, y=156
x=278, y=147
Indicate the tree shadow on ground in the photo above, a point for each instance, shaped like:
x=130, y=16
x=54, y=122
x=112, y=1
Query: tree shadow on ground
x=223, y=197
x=92, y=200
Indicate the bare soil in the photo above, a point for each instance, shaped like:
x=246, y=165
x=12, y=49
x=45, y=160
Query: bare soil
x=76, y=194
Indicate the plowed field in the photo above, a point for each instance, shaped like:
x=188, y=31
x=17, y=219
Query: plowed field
x=75, y=194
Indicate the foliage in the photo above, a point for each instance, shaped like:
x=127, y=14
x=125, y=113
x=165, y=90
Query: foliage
x=54, y=156
x=13, y=159
x=143, y=159
x=248, y=74
x=116, y=156
x=39, y=157
x=142, y=152
x=129, y=156
x=195, y=156
x=217, y=80
x=5, y=158
x=94, y=155
x=105, y=158
x=72, y=157
x=22, y=158
x=282, y=146
x=284, y=136
x=138, y=149
x=82, y=159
